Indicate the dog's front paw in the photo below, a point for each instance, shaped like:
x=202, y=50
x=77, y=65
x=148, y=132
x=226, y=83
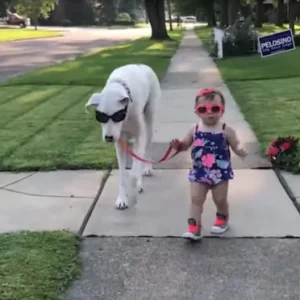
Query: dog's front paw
x=148, y=170
x=121, y=203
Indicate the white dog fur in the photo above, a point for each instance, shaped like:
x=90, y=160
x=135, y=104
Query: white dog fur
x=136, y=86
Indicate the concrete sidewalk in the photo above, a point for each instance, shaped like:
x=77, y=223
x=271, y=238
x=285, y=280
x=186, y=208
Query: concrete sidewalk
x=61, y=199
x=46, y=200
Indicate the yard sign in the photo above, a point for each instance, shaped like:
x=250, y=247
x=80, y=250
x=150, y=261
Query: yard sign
x=276, y=43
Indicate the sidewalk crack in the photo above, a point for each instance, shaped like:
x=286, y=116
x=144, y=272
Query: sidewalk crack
x=44, y=196
x=18, y=180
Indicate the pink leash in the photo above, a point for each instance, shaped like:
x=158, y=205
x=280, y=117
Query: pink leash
x=164, y=158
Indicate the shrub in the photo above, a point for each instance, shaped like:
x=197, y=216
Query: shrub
x=284, y=153
x=123, y=17
x=289, y=161
x=297, y=40
x=213, y=46
x=240, y=39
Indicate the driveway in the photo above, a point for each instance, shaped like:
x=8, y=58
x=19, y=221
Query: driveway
x=19, y=57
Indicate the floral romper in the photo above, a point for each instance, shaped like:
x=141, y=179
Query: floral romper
x=211, y=158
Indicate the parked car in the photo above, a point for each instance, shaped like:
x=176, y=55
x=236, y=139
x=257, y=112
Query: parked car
x=189, y=19
x=17, y=20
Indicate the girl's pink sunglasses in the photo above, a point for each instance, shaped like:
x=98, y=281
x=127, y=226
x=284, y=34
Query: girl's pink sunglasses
x=214, y=109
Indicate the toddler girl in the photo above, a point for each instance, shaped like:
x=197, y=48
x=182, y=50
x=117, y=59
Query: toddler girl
x=211, y=162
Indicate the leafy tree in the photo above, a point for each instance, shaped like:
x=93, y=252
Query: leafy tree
x=107, y=12
x=4, y=4
x=35, y=9
x=233, y=10
x=187, y=7
x=224, y=13
x=125, y=5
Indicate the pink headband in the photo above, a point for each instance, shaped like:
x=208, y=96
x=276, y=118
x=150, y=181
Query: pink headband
x=205, y=92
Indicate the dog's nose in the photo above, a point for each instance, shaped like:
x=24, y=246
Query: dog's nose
x=109, y=138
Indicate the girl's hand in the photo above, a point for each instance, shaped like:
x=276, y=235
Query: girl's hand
x=176, y=144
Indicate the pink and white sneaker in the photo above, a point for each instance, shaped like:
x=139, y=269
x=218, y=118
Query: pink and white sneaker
x=194, y=231
x=220, y=224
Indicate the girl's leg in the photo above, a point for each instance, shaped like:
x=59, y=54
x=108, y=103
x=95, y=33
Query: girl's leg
x=198, y=195
x=219, y=194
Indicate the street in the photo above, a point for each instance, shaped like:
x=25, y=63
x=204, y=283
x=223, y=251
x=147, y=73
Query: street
x=19, y=57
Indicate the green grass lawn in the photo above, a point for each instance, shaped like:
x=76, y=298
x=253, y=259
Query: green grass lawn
x=13, y=34
x=269, y=28
x=256, y=68
x=266, y=89
x=271, y=107
x=205, y=35
x=43, y=123
x=37, y=265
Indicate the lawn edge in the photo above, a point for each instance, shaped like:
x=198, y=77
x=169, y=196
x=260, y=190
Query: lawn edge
x=33, y=38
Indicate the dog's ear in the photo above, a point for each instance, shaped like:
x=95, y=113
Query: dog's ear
x=124, y=101
x=93, y=101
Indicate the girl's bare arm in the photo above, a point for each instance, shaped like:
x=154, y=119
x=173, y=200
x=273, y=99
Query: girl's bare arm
x=234, y=142
x=187, y=141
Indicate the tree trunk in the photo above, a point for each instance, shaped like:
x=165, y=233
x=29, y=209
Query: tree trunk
x=233, y=9
x=59, y=13
x=178, y=14
x=35, y=22
x=259, y=13
x=156, y=14
x=224, y=13
x=280, y=13
x=292, y=8
x=210, y=11
x=170, y=14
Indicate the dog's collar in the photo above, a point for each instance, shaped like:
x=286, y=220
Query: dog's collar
x=126, y=88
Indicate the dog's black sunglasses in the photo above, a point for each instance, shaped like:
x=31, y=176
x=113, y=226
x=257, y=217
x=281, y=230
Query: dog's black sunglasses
x=118, y=116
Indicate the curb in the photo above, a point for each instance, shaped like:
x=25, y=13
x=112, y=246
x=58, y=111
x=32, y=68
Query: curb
x=95, y=201
x=286, y=188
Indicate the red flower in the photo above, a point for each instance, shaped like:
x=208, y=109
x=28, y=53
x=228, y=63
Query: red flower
x=272, y=151
x=282, y=144
x=285, y=146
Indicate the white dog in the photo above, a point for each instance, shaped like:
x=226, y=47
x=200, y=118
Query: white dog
x=125, y=108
